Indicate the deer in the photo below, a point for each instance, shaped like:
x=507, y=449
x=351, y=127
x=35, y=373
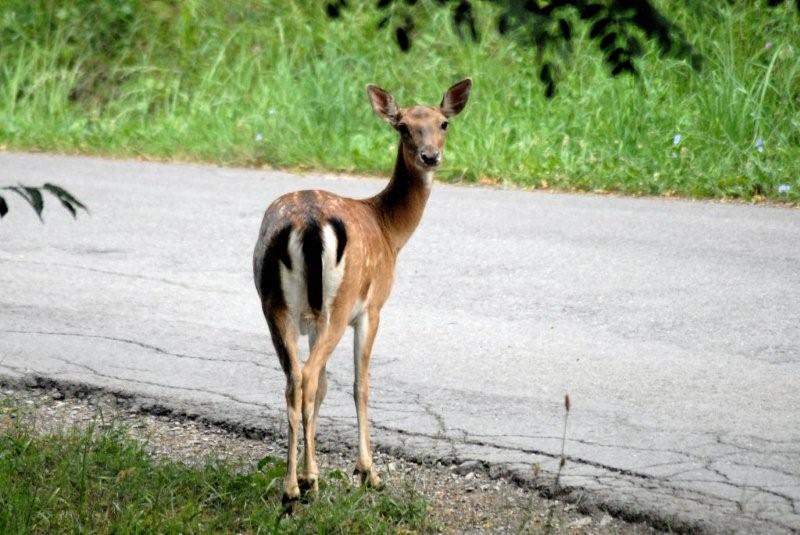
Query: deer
x=323, y=262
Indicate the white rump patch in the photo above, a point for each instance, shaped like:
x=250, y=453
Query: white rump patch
x=332, y=274
x=293, y=281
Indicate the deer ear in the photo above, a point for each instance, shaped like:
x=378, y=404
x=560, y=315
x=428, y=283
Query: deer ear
x=383, y=104
x=455, y=99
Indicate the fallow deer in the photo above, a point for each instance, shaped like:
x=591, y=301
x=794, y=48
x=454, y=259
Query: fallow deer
x=323, y=262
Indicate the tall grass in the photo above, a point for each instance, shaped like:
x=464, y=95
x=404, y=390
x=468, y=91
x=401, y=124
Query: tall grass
x=278, y=83
x=91, y=481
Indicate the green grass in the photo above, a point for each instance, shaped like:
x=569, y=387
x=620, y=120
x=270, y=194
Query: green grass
x=276, y=82
x=94, y=481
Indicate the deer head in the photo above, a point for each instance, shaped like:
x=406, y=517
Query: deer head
x=422, y=129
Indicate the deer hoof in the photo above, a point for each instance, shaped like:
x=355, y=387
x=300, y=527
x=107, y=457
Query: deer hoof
x=309, y=485
x=289, y=503
x=291, y=491
x=369, y=477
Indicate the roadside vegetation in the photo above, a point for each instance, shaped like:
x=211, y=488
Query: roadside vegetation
x=279, y=83
x=101, y=481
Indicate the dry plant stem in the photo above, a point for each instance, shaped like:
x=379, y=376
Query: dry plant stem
x=562, y=458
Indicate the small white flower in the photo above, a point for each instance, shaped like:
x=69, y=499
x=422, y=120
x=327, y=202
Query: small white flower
x=760, y=145
x=767, y=45
x=784, y=188
x=259, y=137
x=677, y=139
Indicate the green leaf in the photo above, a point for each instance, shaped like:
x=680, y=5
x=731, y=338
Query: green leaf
x=66, y=204
x=24, y=192
x=69, y=201
x=338, y=474
x=3, y=206
x=267, y=460
x=64, y=195
x=36, y=200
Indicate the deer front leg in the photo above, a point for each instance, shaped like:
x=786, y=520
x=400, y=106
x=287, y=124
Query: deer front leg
x=365, y=327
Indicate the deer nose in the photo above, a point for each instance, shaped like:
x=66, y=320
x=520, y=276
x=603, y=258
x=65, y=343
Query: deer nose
x=429, y=156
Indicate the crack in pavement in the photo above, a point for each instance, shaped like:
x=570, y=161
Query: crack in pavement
x=597, y=444
x=139, y=344
x=136, y=381
x=614, y=472
x=119, y=274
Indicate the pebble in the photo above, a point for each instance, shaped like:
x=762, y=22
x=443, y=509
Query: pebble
x=496, y=471
x=467, y=467
x=580, y=523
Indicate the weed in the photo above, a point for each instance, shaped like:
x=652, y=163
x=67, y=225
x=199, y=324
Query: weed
x=562, y=459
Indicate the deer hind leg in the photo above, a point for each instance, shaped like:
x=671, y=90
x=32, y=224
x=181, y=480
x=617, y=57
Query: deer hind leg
x=365, y=327
x=284, y=338
x=322, y=389
x=322, y=384
x=314, y=387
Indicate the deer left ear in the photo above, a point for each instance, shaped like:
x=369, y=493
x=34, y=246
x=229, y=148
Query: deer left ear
x=455, y=99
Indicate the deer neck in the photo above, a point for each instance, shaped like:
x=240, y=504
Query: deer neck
x=400, y=205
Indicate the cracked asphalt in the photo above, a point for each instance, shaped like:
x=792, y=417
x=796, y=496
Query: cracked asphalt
x=673, y=326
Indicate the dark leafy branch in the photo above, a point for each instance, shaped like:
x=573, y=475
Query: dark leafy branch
x=615, y=26
x=35, y=198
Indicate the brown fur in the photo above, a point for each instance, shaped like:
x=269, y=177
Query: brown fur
x=376, y=229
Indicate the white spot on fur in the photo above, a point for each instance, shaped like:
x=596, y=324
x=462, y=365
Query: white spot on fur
x=428, y=178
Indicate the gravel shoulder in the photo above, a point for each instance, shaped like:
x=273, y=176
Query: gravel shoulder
x=461, y=498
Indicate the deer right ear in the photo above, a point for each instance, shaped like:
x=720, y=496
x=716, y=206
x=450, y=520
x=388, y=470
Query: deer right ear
x=383, y=104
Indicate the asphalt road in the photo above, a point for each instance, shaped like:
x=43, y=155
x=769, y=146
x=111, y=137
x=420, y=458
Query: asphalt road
x=672, y=325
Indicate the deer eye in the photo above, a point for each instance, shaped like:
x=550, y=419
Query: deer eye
x=444, y=125
x=403, y=128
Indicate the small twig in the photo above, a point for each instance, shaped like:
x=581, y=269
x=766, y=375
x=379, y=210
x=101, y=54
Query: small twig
x=562, y=459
